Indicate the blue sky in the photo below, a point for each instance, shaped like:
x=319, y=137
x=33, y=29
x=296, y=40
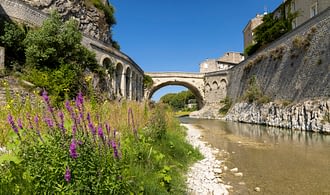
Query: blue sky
x=176, y=35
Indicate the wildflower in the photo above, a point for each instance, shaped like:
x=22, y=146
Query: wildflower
x=19, y=123
x=90, y=124
x=67, y=175
x=74, y=130
x=73, y=149
x=49, y=122
x=115, y=150
x=100, y=132
x=46, y=99
x=13, y=125
x=80, y=99
x=61, y=124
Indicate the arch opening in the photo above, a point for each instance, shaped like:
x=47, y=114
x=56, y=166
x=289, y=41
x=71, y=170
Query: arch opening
x=193, y=89
x=128, y=83
x=118, y=79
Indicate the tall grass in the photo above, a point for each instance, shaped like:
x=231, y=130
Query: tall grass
x=146, y=152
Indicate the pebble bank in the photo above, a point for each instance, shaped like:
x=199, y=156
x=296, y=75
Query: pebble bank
x=204, y=177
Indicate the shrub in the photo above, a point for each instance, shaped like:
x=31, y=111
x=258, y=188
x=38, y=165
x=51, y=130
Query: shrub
x=253, y=93
x=227, y=105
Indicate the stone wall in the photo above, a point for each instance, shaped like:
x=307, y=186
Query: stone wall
x=2, y=58
x=294, y=68
x=294, y=72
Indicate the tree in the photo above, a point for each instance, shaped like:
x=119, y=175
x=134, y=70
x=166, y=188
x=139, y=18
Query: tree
x=271, y=29
x=177, y=101
x=11, y=37
x=56, y=59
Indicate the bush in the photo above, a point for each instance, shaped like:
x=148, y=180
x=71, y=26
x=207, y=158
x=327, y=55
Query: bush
x=227, y=105
x=253, y=93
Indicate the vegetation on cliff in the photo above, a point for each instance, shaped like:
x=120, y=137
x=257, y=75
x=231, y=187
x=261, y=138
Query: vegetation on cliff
x=272, y=28
x=51, y=57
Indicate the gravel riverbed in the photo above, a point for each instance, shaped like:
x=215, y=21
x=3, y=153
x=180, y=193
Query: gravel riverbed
x=204, y=177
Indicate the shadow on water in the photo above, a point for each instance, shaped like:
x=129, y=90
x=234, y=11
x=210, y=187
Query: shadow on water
x=279, y=161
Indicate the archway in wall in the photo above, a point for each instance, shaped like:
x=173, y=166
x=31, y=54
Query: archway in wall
x=194, y=90
x=128, y=83
x=118, y=79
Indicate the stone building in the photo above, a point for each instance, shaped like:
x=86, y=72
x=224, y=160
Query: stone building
x=306, y=9
x=225, y=62
x=248, y=30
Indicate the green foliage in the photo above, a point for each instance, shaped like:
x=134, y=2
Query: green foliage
x=251, y=49
x=271, y=29
x=11, y=37
x=227, y=105
x=178, y=101
x=147, y=82
x=253, y=93
x=56, y=59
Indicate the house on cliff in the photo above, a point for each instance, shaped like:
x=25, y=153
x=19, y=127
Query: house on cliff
x=306, y=10
x=225, y=62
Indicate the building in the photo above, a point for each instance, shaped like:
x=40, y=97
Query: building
x=306, y=9
x=227, y=61
x=248, y=30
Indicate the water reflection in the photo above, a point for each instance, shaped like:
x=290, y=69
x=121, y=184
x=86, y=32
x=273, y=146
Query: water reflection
x=280, y=161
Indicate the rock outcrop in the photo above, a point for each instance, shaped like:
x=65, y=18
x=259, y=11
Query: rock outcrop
x=311, y=115
x=92, y=21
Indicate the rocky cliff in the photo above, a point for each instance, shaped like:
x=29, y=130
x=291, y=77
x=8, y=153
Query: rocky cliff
x=310, y=115
x=92, y=21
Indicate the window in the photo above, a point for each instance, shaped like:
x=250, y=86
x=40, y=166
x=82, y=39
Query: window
x=313, y=10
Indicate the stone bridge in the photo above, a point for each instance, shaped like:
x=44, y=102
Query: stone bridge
x=127, y=81
x=208, y=88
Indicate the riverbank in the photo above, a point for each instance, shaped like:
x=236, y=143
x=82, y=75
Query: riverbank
x=204, y=177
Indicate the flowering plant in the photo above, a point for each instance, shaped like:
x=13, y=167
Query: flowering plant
x=74, y=155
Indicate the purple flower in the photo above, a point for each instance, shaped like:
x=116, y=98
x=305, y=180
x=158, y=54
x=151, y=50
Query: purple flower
x=68, y=106
x=19, y=123
x=74, y=130
x=67, y=175
x=100, y=132
x=46, y=98
x=36, y=120
x=90, y=124
x=13, y=125
x=49, y=122
x=61, y=124
x=73, y=149
x=115, y=150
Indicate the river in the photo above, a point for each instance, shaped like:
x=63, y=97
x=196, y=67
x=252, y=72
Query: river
x=278, y=161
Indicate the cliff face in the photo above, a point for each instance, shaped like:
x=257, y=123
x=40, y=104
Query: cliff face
x=92, y=21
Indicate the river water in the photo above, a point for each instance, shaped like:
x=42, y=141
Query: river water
x=278, y=161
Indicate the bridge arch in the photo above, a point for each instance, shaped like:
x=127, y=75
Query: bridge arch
x=193, y=89
x=193, y=81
